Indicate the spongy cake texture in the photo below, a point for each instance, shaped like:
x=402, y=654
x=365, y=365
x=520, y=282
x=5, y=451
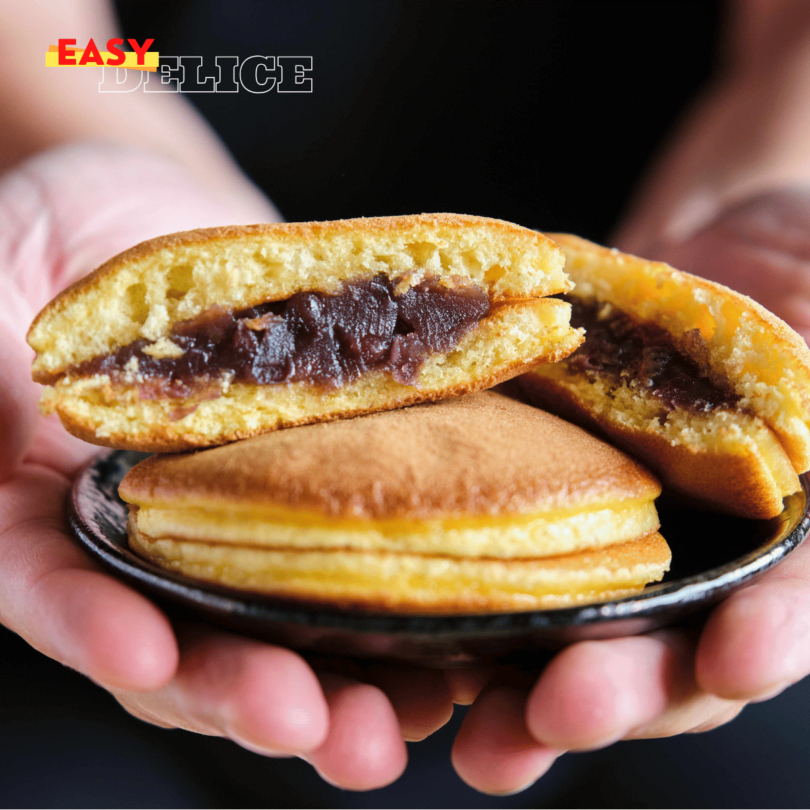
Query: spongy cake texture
x=411, y=583
x=742, y=460
x=142, y=292
x=511, y=340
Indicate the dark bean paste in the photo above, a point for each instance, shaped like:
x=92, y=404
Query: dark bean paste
x=644, y=353
x=328, y=340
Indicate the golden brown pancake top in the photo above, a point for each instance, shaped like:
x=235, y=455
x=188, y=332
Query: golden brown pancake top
x=480, y=455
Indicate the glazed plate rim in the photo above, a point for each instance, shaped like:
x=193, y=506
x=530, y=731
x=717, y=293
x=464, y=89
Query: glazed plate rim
x=683, y=594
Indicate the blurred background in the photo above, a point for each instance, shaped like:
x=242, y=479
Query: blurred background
x=539, y=113
x=543, y=113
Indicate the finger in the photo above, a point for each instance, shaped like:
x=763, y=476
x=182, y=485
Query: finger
x=364, y=749
x=264, y=698
x=693, y=714
x=494, y=752
x=52, y=595
x=420, y=697
x=593, y=693
x=758, y=641
x=54, y=447
x=18, y=394
x=88, y=220
x=760, y=246
x=466, y=684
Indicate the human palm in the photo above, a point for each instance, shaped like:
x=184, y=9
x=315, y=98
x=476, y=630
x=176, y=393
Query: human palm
x=753, y=645
x=66, y=212
x=61, y=215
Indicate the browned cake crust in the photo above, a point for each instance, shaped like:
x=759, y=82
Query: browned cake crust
x=293, y=231
x=480, y=503
x=743, y=459
x=476, y=455
x=204, y=243
x=709, y=475
x=135, y=301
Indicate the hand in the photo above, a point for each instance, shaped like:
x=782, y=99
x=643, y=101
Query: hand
x=753, y=646
x=62, y=214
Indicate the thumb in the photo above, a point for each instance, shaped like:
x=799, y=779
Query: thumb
x=18, y=394
x=66, y=211
x=76, y=206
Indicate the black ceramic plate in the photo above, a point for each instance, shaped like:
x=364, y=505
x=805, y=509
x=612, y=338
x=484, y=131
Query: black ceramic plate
x=712, y=555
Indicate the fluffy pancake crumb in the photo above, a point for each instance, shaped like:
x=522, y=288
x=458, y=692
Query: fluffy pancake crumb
x=139, y=300
x=742, y=458
x=510, y=341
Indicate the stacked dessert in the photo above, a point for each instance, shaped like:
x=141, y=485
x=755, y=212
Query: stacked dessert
x=466, y=502
x=471, y=504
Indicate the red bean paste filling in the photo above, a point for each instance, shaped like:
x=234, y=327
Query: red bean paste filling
x=329, y=340
x=644, y=353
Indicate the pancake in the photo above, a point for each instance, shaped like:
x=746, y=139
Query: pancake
x=411, y=583
x=702, y=384
x=201, y=338
x=478, y=503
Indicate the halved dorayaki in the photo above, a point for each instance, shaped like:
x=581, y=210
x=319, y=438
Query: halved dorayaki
x=478, y=503
x=200, y=338
x=704, y=385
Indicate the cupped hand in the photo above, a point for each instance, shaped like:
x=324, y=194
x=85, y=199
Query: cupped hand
x=62, y=214
x=753, y=646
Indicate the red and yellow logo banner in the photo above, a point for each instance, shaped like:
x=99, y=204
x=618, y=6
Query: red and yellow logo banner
x=65, y=54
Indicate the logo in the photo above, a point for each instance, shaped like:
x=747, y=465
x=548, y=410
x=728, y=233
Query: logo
x=151, y=72
x=227, y=74
x=66, y=55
